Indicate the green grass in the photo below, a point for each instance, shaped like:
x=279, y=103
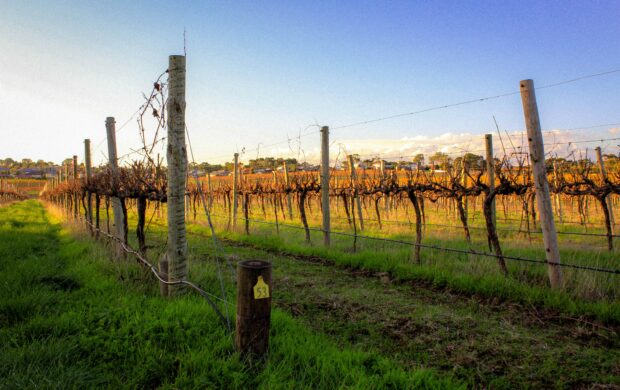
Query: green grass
x=585, y=293
x=70, y=318
x=481, y=339
x=440, y=269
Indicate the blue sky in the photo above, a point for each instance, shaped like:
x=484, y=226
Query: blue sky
x=259, y=72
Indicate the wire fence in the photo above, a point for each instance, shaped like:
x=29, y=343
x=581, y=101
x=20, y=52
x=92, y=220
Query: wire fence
x=162, y=278
x=434, y=247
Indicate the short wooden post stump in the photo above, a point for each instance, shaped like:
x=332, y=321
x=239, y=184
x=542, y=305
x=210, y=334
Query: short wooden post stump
x=253, y=307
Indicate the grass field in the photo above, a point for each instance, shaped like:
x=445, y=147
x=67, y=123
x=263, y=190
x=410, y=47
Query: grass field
x=484, y=331
x=70, y=318
x=594, y=294
x=30, y=187
x=341, y=319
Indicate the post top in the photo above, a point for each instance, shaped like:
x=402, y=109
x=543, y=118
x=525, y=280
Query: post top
x=254, y=264
x=110, y=119
x=325, y=128
x=526, y=83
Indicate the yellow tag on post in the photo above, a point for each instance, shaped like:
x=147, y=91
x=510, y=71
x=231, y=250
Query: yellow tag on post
x=261, y=289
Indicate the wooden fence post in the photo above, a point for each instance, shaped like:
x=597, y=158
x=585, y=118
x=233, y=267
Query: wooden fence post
x=289, y=198
x=88, y=163
x=543, y=199
x=386, y=198
x=75, y=194
x=66, y=196
x=235, y=189
x=253, y=307
x=358, y=203
x=558, y=200
x=325, y=184
x=210, y=191
x=464, y=184
x=117, y=209
x=488, y=141
x=176, y=156
x=601, y=167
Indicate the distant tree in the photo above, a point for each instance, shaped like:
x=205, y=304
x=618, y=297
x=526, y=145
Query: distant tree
x=441, y=160
x=356, y=160
x=472, y=161
x=419, y=159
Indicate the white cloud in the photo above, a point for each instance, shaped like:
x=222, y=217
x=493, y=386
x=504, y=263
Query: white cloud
x=561, y=143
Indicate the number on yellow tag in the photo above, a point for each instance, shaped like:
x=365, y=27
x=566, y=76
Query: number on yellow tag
x=261, y=289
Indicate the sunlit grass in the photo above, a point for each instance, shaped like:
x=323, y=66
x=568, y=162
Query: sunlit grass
x=72, y=318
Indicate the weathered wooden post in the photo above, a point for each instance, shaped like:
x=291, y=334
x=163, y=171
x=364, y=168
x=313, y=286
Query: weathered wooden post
x=253, y=307
x=289, y=199
x=543, y=199
x=174, y=263
x=88, y=163
x=76, y=196
x=235, y=189
x=358, y=203
x=488, y=141
x=65, y=197
x=386, y=198
x=325, y=184
x=210, y=191
x=274, y=200
x=558, y=200
x=601, y=167
x=117, y=208
x=464, y=184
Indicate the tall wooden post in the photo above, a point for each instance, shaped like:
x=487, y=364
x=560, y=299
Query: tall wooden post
x=386, y=198
x=543, y=199
x=66, y=196
x=464, y=184
x=76, y=195
x=210, y=191
x=253, y=307
x=601, y=167
x=289, y=198
x=87, y=179
x=558, y=200
x=358, y=203
x=325, y=184
x=488, y=141
x=117, y=209
x=176, y=156
x=235, y=189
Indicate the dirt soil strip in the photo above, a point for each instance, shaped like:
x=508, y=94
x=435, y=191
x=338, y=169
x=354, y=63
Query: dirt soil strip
x=486, y=342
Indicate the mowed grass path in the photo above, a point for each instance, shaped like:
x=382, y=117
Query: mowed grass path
x=488, y=342
x=70, y=318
